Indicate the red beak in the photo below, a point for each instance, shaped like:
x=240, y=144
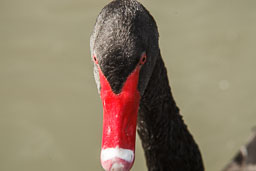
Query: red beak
x=119, y=122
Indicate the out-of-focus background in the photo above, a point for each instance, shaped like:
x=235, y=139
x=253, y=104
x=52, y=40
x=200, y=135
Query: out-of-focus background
x=51, y=114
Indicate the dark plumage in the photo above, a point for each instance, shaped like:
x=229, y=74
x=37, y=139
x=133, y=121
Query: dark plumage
x=123, y=31
x=245, y=159
x=167, y=143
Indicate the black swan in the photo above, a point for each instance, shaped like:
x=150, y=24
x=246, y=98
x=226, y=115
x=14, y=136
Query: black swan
x=245, y=159
x=134, y=88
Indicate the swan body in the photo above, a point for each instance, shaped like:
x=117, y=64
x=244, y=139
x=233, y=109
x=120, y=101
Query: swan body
x=245, y=159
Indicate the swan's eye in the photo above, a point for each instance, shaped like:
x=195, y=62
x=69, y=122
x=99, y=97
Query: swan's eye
x=95, y=60
x=143, y=58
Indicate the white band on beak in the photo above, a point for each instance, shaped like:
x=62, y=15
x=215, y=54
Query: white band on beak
x=110, y=153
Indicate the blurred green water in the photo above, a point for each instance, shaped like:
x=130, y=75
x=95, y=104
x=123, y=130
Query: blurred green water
x=50, y=112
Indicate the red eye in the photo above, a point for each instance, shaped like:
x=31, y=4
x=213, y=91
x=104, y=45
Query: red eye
x=95, y=60
x=143, y=58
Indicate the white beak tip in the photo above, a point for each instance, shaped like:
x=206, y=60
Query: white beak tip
x=117, y=159
x=116, y=164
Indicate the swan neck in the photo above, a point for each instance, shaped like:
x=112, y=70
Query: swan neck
x=167, y=143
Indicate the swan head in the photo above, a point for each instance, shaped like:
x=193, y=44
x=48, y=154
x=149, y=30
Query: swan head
x=124, y=48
